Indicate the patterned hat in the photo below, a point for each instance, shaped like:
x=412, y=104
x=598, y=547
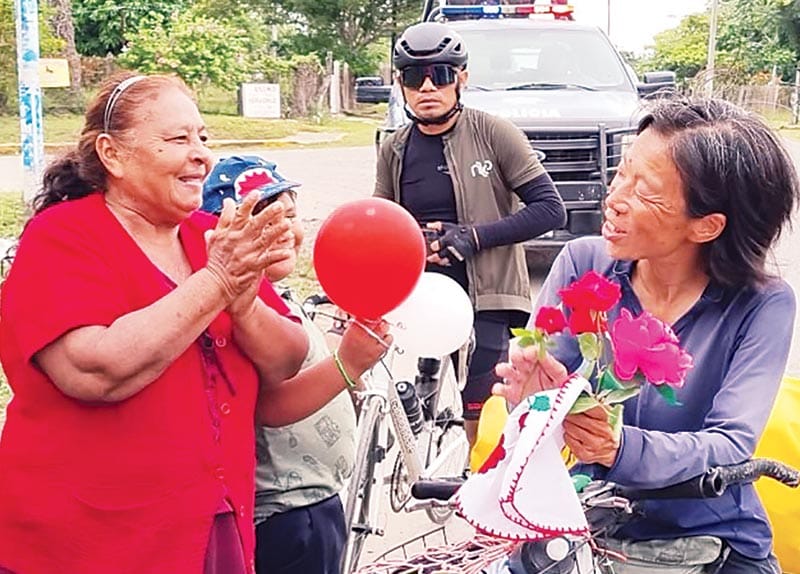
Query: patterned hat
x=237, y=176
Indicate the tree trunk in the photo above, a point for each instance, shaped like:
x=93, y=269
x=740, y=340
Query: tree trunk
x=65, y=29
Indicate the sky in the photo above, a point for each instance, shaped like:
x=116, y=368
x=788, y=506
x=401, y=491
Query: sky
x=635, y=22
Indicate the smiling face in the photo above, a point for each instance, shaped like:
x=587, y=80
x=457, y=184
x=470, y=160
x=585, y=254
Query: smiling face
x=646, y=215
x=163, y=158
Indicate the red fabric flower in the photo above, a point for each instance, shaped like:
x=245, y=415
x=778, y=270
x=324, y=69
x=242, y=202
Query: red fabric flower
x=649, y=345
x=582, y=320
x=591, y=292
x=551, y=320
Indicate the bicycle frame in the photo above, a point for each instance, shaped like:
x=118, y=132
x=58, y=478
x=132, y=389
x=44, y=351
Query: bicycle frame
x=383, y=386
x=380, y=398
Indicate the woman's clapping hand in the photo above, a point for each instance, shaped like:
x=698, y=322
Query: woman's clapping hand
x=241, y=247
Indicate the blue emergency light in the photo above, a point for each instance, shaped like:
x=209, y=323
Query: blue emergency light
x=498, y=10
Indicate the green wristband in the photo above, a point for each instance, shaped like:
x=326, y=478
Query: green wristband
x=339, y=365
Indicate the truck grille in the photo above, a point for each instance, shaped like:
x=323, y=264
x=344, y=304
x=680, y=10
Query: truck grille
x=576, y=156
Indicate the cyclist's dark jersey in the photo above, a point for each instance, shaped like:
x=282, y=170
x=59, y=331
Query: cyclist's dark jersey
x=426, y=191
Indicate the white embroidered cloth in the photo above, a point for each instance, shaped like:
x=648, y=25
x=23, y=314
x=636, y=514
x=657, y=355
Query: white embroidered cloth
x=523, y=491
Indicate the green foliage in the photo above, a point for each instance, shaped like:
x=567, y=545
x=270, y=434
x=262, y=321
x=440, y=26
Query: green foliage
x=199, y=49
x=12, y=214
x=682, y=49
x=349, y=29
x=753, y=36
x=101, y=26
x=49, y=45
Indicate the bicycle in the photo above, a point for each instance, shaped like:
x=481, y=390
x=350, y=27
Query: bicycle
x=607, y=507
x=429, y=436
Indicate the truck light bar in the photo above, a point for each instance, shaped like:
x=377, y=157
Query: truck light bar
x=498, y=10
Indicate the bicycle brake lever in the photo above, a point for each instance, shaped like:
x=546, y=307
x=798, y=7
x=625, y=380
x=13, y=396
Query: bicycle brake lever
x=615, y=502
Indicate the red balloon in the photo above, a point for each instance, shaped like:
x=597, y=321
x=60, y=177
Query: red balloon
x=368, y=256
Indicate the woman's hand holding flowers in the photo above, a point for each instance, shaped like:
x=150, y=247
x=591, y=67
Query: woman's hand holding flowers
x=527, y=372
x=619, y=360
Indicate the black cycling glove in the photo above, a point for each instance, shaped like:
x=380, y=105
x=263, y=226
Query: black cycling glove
x=459, y=241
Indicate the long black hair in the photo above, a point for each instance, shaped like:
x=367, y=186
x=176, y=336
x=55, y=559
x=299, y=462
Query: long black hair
x=731, y=163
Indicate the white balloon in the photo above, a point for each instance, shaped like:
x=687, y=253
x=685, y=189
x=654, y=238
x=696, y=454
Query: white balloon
x=436, y=318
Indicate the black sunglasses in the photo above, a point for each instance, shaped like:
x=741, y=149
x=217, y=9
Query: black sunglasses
x=440, y=74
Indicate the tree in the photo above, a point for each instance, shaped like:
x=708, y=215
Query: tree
x=199, y=49
x=756, y=35
x=350, y=29
x=101, y=26
x=64, y=28
x=49, y=45
x=682, y=49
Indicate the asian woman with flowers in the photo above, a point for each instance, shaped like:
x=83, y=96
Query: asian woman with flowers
x=699, y=200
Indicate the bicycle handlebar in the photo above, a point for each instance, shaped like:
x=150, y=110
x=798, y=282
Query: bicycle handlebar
x=716, y=481
x=711, y=484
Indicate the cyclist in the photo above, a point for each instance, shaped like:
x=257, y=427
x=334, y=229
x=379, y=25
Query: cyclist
x=461, y=173
x=699, y=200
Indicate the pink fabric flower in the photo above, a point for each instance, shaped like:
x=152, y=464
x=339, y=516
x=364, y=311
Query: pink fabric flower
x=550, y=320
x=591, y=292
x=648, y=345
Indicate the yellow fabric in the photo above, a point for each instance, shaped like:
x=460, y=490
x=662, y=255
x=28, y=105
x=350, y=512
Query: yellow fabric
x=781, y=441
x=490, y=428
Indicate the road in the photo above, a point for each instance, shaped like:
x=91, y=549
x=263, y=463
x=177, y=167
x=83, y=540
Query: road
x=333, y=176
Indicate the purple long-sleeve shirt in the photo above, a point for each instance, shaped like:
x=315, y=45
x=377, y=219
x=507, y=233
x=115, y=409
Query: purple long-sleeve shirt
x=740, y=340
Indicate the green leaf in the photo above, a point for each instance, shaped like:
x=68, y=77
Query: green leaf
x=621, y=395
x=669, y=395
x=584, y=403
x=580, y=481
x=526, y=341
x=589, y=346
x=615, y=419
x=608, y=381
x=520, y=332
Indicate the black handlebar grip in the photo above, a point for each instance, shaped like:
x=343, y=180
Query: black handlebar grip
x=754, y=469
x=717, y=480
x=435, y=489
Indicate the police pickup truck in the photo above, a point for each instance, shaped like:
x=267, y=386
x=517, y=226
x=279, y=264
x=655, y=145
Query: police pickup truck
x=561, y=82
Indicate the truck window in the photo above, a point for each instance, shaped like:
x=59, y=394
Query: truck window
x=552, y=56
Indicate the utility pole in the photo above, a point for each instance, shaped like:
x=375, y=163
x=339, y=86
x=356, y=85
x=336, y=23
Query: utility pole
x=30, y=95
x=712, y=49
x=608, y=18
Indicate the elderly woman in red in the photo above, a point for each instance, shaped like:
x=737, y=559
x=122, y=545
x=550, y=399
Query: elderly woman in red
x=137, y=335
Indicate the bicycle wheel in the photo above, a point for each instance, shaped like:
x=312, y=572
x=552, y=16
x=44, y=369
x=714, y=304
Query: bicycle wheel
x=362, y=481
x=399, y=486
x=448, y=458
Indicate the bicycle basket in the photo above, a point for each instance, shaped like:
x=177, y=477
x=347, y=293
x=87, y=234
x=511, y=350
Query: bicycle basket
x=466, y=557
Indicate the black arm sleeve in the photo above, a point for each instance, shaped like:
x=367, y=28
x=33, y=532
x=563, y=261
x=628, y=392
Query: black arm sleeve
x=543, y=211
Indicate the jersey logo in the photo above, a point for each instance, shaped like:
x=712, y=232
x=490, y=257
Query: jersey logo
x=481, y=168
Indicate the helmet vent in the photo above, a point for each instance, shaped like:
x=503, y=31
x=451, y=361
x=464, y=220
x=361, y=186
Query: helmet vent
x=425, y=53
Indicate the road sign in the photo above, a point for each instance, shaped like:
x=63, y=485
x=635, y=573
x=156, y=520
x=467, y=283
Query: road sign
x=53, y=73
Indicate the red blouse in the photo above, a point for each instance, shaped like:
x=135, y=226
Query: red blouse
x=131, y=486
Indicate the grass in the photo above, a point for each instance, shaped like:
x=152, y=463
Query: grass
x=353, y=130
x=12, y=214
